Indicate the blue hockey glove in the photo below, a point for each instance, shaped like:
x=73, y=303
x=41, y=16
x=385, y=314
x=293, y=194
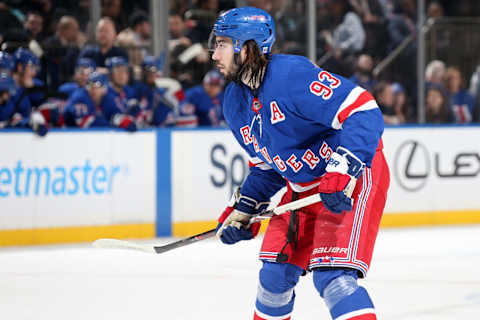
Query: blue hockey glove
x=233, y=223
x=236, y=231
x=336, y=186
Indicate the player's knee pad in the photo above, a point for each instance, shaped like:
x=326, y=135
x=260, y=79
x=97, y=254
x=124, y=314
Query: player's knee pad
x=277, y=281
x=275, y=296
x=334, y=284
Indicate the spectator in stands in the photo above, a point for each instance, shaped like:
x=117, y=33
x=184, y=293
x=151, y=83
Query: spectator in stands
x=105, y=48
x=401, y=25
x=346, y=40
x=177, y=29
x=34, y=26
x=375, y=24
x=205, y=100
x=435, y=72
x=62, y=51
x=136, y=40
x=201, y=20
x=363, y=75
x=9, y=20
x=188, y=63
x=461, y=102
x=45, y=8
x=383, y=93
x=113, y=10
x=290, y=36
x=436, y=105
x=435, y=10
x=474, y=90
x=402, y=105
x=83, y=68
x=93, y=107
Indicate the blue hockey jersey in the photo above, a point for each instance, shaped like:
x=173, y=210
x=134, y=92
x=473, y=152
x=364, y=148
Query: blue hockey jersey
x=16, y=111
x=81, y=111
x=68, y=88
x=208, y=110
x=123, y=100
x=462, y=106
x=301, y=115
x=151, y=101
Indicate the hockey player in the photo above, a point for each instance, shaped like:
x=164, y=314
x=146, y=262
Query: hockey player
x=313, y=132
x=122, y=93
x=205, y=100
x=84, y=67
x=26, y=66
x=6, y=64
x=15, y=111
x=154, y=108
x=93, y=107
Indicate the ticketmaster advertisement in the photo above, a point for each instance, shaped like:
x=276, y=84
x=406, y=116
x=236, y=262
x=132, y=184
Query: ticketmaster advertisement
x=74, y=179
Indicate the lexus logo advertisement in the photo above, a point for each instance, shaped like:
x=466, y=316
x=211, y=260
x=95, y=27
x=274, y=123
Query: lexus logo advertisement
x=411, y=165
x=414, y=164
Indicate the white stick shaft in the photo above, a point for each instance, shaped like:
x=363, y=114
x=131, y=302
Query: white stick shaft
x=122, y=244
x=297, y=204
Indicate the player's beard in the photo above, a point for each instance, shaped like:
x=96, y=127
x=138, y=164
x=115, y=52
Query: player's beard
x=231, y=71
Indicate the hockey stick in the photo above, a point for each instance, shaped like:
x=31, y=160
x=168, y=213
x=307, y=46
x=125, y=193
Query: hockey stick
x=123, y=244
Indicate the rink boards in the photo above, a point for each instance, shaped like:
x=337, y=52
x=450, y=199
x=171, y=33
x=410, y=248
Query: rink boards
x=79, y=186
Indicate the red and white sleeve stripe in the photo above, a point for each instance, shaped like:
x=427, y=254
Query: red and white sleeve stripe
x=357, y=100
x=258, y=163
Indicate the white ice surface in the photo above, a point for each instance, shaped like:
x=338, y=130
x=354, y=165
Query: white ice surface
x=421, y=274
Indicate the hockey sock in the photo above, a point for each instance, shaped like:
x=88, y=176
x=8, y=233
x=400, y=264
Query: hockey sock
x=276, y=296
x=357, y=306
x=344, y=298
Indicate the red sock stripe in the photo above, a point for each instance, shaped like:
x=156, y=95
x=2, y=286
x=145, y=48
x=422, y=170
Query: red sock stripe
x=368, y=316
x=257, y=317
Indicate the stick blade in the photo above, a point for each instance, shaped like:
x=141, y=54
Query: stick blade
x=122, y=244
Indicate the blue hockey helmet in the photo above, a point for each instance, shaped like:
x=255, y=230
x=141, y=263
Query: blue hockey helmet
x=97, y=79
x=86, y=63
x=245, y=23
x=25, y=57
x=151, y=63
x=6, y=63
x=214, y=77
x=114, y=62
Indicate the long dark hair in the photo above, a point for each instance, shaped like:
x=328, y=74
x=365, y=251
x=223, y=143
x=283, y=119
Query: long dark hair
x=254, y=64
